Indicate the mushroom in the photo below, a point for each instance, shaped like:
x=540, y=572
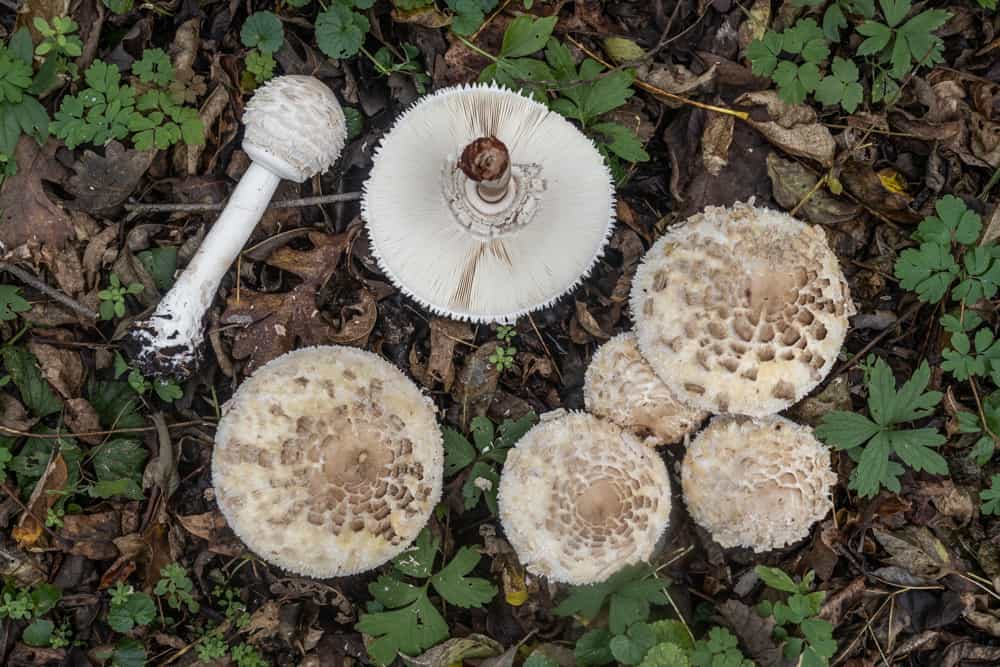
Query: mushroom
x=328, y=461
x=295, y=129
x=741, y=309
x=757, y=483
x=580, y=498
x=621, y=386
x=483, y=205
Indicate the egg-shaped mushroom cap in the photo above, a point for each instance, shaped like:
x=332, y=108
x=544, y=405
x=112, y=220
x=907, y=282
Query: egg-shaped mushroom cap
x=328, y=461
x=580, y=498
x=757, y=483
x=294, y=127
x=496, y=262
x=621, y=386
x=741, y=310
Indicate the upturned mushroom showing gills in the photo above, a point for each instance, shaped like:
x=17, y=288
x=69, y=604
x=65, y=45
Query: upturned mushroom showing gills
x=483, y=205
x=328, y=461
x=621, y=386
x=741, y=310
x=580, y=498
x=295, y=129
x=760, y=484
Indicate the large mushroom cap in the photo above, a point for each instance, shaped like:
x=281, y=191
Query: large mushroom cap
x=760, y=484
x=328, y=461
x=621, y=386
x=295, y=127
x=741, y=309
x=580, y=498
x=468, y=258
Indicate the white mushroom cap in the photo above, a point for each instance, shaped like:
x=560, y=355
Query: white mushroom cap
x=741, y=309
x=580, y=498
x=464, y=257
x=621, y=386
x=294, y=127
x=757, y=483
x=328, y=461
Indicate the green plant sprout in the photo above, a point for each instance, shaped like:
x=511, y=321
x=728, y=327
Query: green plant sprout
x=113, y=298
x=798, y=614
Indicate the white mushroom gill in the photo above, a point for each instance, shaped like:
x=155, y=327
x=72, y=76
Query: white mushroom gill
x=328, y=461
x=295, y=129
x=757, y=483
x=580, y=498
x=497, y=246
x=741, y=310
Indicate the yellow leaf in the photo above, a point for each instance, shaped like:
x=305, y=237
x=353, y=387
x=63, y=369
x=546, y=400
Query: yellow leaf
x=892, y=181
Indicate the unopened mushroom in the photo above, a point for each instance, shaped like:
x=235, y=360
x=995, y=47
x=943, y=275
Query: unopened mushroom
x=621, y=386
x=328, y=461
x=741, y=309
x=484, y=205
x=580, y=498
x=295, y=129
x=757, y=483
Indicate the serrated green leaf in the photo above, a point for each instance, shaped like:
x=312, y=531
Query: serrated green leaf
x=763, y=53
x=526, y=35
x=263, y=30
x=340, y=33
x=458, y=589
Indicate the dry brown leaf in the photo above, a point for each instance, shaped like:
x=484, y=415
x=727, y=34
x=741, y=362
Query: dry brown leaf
x=102, y=182
x=791, y=182
x=475, y=384
x=589, y=323
x=794, y=128
x=918, y=551
x=81, y=417
x=60, y=366
x=754, y=632
x=678, y=80
x=94, y=255
x=985, y=139
x=715, y=141
x=212, y=527
x=91, y=535
x=756, y=23
x=26, y=212
x=64, y=263
x=445, y=335
x=29, y=529
x=14, y=415
x=428, y=17
x=864, y=183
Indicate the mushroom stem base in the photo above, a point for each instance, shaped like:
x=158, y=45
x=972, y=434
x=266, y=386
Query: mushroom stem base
x=167, y=343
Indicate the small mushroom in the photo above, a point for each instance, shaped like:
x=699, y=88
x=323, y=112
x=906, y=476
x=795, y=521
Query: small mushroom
x=757, y=483
x=328, y=461
x=621, y=386
x=295, y=129
x=484, y=205
x=741, y=310
x=580, y=498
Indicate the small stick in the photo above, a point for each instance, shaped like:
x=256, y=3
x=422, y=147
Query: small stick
x=287, y=203
x=55, y=294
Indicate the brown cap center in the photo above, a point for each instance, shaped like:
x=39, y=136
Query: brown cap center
x=599, y=502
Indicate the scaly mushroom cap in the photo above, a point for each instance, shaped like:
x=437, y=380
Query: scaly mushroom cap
x=328, y=461
x=621, y=386
x=757, y=483
x=741, y=309
x=580, y=498
x=295, y=127
x=469, y=258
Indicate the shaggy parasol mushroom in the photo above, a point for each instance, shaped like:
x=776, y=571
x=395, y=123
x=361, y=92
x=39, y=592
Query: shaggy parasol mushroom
x=295, y=129
x=483, y=205
x=621, y=386
x=580, y=498
x=328, y=461
x=757, y=483
x=741, y=309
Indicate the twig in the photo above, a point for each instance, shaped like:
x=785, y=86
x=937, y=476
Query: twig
x=656, y=90
x=56, y=436
x=55, y=294
x=287, y=203
x=875, y=341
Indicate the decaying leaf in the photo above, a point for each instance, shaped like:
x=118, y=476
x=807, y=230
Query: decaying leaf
x=676, y=79
x=918, y=551
x=26, y=212
x=791, y=182
x=794, y=128
x=445, y=335
x=102, y=182
x=715, y=141
x=29, y=528
x=456, y=650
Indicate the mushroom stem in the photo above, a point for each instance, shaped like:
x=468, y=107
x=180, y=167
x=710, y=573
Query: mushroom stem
x=167, y=343
x=487, y=162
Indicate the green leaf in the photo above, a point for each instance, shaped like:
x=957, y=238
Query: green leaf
x=458, y=589
x=418, y=560
x=11, y=302
x=795, y=82
x=154, y=67
x=914, y=448
x=394, y=593
x=874, y=469
x=763, y=53
x=621, y=141
x=895, y=10
x=35, y=392
x=607, y=93
x=469, y=14
x=340, y=33
x=631, y=648
x=39, y=633
x=991, y=497
x=263, y=30
x=665, y=655
x=409, y=630
x=928, y=271
x=833, y=21
x=777, y=579
x=161, y=264
x=673, y=632
x=594, y=648
x=878, y=38
x=128, y=652
x=458, y=452
x=482, y=433
x=526, y=35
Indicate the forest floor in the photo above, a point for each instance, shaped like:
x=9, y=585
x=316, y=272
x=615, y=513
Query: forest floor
x=879, y=122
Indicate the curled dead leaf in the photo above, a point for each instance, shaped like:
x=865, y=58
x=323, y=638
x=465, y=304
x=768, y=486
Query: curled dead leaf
x=29, y=528
x=794, y=128
x=791, y=182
